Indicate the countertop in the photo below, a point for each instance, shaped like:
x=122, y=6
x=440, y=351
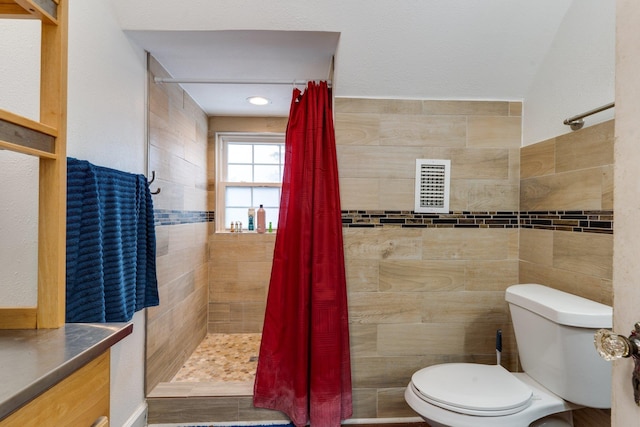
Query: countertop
x=32, y=361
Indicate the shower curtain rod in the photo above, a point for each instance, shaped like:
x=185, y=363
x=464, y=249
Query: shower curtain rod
x=576, y=121
x=231, y=82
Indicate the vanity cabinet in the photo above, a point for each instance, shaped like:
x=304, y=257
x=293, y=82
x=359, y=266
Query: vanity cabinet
x=57, y=377
x=79, y=400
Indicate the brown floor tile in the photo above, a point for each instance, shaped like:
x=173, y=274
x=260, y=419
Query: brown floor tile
x=222, y=357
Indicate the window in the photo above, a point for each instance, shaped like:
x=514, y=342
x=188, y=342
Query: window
x=249, y=174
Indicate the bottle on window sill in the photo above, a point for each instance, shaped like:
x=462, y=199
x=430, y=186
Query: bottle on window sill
x=261, y=216
x=252, y=215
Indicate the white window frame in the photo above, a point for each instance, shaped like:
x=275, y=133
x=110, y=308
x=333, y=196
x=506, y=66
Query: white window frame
x=221, y=140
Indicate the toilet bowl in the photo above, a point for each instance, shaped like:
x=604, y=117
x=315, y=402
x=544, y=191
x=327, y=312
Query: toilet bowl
x=562, y=372
x=474, y=395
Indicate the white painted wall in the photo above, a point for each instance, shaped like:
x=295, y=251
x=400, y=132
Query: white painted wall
x=19, y=92
x=577, y=74
x=626, y=244
x=18, y=232
x=106, y=125
x=107, y=80
x=20, y=82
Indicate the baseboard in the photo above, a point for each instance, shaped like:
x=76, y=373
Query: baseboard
x=363, y=422
x=138, y=418
x=405, y=420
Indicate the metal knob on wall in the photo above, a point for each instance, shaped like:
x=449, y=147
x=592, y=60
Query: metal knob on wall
x=611, y=346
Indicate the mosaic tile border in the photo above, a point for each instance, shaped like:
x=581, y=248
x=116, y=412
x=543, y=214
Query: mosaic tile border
x=591, y=221
x=575, y=221
x=176, y=217
x=406, y=219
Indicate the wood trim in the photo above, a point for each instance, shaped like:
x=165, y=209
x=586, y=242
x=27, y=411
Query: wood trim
x=16, y=119
x=53, y=175
x=18, y=318
x=53, y=83
x=34, y=9
x=52, y=244
x=13, y=11
x=26, y=150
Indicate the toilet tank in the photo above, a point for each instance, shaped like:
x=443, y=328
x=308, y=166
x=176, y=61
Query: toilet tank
x=554, y=332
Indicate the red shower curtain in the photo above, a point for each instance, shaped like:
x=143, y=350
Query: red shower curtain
x=304, y=367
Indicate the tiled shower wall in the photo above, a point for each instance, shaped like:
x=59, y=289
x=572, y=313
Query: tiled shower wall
x=178, y=155
x=572, y=173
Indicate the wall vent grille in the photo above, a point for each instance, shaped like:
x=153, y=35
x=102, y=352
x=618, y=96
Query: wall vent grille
x=433, y=179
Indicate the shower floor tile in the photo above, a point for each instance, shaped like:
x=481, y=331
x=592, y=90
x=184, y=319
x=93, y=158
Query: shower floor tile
x=222, y=358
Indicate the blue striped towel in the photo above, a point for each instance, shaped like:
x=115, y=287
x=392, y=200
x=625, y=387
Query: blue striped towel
x=111, y=246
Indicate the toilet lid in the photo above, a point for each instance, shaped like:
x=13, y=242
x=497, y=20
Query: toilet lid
x=473, y=389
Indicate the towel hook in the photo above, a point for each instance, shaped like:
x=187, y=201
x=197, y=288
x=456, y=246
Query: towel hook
x=153, y=178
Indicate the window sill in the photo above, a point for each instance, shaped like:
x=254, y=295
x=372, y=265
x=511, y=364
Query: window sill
x=246, y=232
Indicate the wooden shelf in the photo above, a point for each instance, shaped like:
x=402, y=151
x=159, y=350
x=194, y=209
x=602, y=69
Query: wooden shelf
x=45, y=10
x=26, y=136
x=45, y=139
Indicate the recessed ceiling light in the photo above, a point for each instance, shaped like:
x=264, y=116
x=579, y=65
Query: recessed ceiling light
x=258, y=100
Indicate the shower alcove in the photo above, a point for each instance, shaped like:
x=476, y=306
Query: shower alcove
x=212, y=286
x=209, y=332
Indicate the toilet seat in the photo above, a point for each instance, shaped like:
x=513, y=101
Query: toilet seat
x=472, y=389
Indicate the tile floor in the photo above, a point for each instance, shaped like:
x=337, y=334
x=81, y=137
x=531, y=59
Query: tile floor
x=222, y=358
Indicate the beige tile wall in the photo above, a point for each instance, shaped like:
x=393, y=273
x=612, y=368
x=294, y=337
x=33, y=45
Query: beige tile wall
x=178, y=154
x=379, y=140
x=240, y=268
x=412, y=305
x=569, y=172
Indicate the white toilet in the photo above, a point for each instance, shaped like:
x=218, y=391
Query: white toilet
x=562, y=370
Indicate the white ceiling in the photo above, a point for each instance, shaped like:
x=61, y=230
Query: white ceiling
x=238, y=55
x=427, y=49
